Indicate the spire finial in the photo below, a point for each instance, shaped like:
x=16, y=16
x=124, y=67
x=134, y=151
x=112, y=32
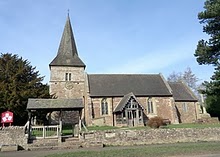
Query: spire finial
x=68, y=12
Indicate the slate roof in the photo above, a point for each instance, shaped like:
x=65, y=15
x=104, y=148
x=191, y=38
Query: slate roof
x=181, y=92
x=67, y=53
x=124, y=101
x=121, y=84
x=55, y=104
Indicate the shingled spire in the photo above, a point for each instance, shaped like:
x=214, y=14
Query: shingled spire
x=67, y=53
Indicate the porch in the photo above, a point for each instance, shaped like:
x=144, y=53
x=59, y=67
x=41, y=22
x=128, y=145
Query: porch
x=129, y=112
x=59, y=106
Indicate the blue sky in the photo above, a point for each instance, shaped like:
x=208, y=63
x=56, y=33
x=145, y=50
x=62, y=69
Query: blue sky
x=112, y=36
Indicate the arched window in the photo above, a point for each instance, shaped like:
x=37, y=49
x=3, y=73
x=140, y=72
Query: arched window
x=150, y=106
x=104, y=105
x=185, y=108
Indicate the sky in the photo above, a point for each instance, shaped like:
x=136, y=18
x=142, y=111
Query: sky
x=112, y=36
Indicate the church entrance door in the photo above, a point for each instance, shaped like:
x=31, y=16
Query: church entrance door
x=132, y=117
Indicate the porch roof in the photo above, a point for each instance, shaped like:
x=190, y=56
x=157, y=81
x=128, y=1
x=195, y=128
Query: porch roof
x=55, y=104
x=124, y=101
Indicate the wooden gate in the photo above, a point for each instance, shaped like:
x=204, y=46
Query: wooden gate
x=39, y=132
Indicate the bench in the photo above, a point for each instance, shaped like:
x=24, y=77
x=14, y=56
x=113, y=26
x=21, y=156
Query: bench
x=166, y=121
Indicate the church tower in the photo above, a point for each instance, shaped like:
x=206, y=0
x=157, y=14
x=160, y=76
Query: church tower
x=67, y=70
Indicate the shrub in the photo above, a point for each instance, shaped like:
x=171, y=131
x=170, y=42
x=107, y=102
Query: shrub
x=155, y=122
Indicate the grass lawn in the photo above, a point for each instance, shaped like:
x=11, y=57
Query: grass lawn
x=194, y=125
x=67, y=130
x=148, y=150
x=190, y=125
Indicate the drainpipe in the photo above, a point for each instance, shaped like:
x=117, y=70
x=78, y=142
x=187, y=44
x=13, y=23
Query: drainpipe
x=195, y=110
x=84, y=104
x=113, y=119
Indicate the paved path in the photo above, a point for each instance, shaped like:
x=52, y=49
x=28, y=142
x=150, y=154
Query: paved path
x=42, y=153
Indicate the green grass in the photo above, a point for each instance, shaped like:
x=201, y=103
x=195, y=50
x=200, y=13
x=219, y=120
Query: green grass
x=39, y=133
x=148, y=150
x=101, y=128
x=193, y=125
x=67, y=129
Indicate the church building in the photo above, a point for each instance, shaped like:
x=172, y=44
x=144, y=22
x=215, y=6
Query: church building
x=112, y=99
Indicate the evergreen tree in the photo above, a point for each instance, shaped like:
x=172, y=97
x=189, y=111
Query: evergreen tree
x=208, y=52
x=18, y=82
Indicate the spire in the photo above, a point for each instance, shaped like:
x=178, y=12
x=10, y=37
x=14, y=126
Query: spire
x=67, y=54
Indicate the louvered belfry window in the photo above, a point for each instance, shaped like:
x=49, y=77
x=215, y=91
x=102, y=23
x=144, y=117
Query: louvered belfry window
x=68, y=77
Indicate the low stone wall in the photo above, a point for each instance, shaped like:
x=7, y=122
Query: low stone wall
x=151, y=136
x=15, y=136
x=11, y=136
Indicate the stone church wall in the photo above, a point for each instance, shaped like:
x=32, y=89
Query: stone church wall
x=67, y=89
x=68, y=117
x=163, y=107
x=187, y=112
x=74, y=88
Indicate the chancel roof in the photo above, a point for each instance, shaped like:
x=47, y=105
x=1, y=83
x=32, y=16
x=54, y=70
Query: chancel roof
x=121, y=84
x=55, y=104
x=67, y=53
x=181, y=92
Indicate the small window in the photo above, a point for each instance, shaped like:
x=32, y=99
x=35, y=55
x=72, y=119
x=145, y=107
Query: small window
x=104, y=105
x=185, y=108
x=68, y=77
x=150, y=107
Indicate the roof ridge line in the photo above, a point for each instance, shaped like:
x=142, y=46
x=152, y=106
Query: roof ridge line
x=166, y=84
x=123, y=74
x=189, y=90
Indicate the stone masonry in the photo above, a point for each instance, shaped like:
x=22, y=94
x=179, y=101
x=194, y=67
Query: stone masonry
x=151, y=136
x=121, y=137
x=13, y=135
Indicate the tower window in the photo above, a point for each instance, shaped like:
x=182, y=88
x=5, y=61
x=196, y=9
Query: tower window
x=68, y=77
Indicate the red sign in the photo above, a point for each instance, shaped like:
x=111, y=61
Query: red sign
x=7, y=117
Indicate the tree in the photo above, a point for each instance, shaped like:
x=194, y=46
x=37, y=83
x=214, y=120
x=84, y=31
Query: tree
x=190, y=79
x=18, y=82
x=174, y=77
x=187, y=77
x=208, y=53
